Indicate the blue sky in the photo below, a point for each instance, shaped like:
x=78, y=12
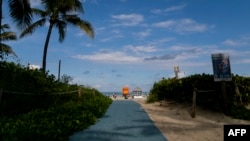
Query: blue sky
x=137, y=42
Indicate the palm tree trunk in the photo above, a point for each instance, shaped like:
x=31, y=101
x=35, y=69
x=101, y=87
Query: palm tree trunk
x=46, y=45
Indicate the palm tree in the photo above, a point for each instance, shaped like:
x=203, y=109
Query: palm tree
x=59, y=13
x=5, y=36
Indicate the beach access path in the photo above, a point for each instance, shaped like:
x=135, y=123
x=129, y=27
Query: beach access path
x=125, y=120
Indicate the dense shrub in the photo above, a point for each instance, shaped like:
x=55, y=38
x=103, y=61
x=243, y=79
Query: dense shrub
x=209, y=92
x=35, y=106
x=30, y=89
x=54, y=123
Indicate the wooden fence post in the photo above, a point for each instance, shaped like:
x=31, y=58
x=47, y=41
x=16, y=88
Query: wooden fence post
x=194, y=103
x=237, y=92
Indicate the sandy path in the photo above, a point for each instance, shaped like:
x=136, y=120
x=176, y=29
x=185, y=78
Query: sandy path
x=176, y=124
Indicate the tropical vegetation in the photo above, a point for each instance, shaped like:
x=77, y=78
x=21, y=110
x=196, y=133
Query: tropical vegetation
x=209, y=93
x=59, y=13
x=5, y=49
x=36, y=106
x=20, y=12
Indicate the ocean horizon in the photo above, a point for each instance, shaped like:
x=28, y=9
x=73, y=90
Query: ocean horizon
x=118, y=93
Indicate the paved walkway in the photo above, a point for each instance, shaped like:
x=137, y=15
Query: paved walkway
x=125, y=120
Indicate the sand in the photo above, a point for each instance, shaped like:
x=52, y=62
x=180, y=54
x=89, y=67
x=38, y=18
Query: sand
x=175, y=122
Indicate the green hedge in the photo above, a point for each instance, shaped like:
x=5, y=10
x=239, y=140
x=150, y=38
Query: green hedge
x=54, y=123
x=42, y=114
x=209, y=94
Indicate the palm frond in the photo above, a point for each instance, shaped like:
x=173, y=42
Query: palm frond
x=39, y=12
x=5, y=36
x=82, y=24
x=78, y=6
x=4, y=26
x=63, y=6
x=61, y=25
x=87, y=27
x=20, y=11
x=4, y=48
x=32, y=27
x=72, y=5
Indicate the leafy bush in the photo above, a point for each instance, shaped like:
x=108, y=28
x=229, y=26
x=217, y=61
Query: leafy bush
x=209, y=92
x=43, y=114
x=30, y=89
x=55, y=123
x=152, y=98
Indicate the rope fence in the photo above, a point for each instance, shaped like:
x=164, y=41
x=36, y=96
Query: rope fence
x=24, y=93
x=78, y=92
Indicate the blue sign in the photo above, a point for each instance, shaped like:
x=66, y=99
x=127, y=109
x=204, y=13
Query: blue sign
x=221, y=67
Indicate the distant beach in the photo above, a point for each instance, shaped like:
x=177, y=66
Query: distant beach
x=118, y=93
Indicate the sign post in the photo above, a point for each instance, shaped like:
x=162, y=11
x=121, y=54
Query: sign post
x=222, y=73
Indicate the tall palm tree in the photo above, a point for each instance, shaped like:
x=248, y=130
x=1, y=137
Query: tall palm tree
x=5, y=36
x=59, y=13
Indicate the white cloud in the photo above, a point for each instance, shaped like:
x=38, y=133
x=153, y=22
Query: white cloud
x=186, y=25
x=161, y=41
x=143, y=34
x=138, y=49
x=111, y=38
x=115, y=34
x=189, y=25
x=165, y=24
x=110, y=57
x=116, y=31
x=155, y=58
x=244, y=61
x=175, y=8
x=231, y=43
x=236, y=43
x=156, y=11
x=128, y=19
x=181, y=48
x=169, y=9
x=33, y=67
x=106, y=39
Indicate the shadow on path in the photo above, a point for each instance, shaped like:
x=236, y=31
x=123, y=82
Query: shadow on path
x=125, y=120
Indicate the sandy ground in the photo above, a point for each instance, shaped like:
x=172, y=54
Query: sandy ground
x=175, y=122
